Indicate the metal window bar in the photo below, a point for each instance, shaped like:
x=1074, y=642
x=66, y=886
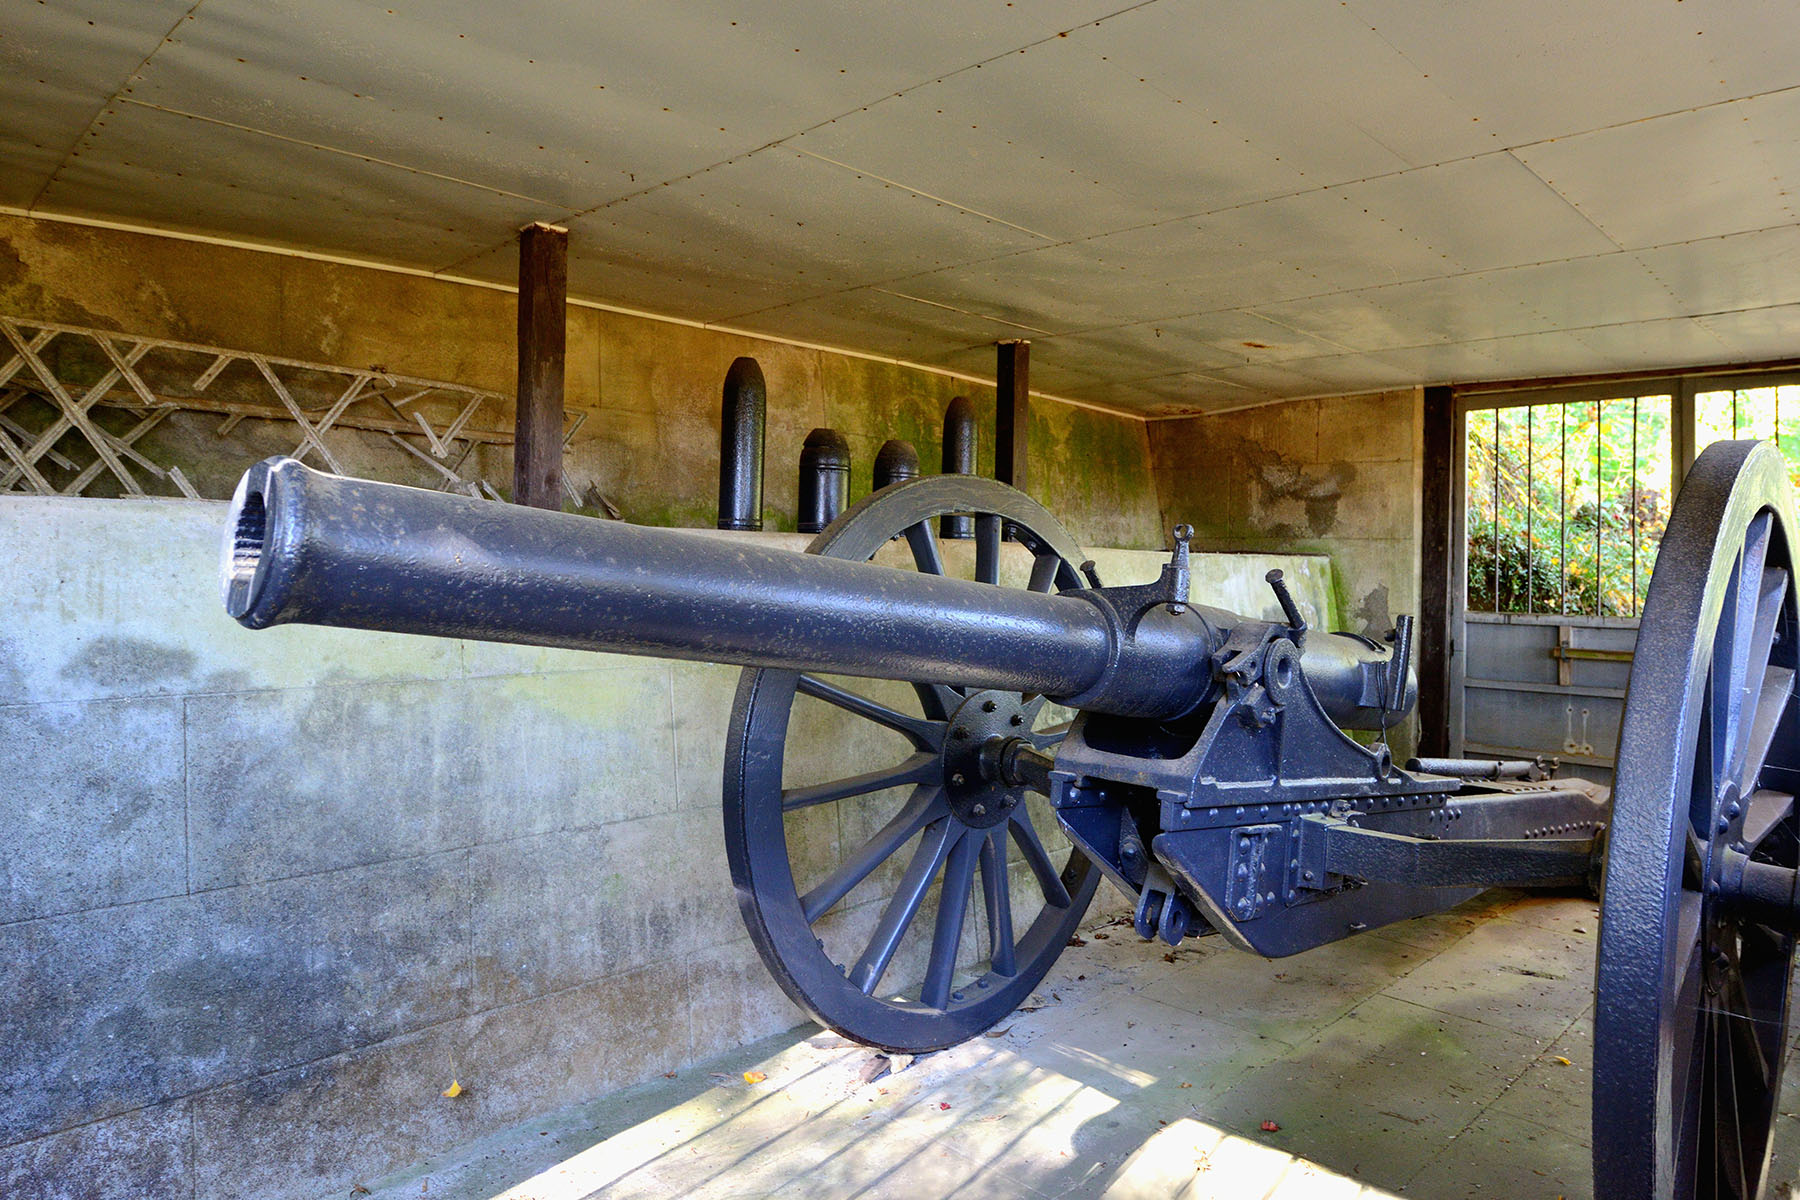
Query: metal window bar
x=1494, y=522
x=1599, y=507
x=1530, y=503
x=1562, y=515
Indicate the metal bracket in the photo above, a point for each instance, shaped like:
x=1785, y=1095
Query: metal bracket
x=1254, y=872
x=1170, y=590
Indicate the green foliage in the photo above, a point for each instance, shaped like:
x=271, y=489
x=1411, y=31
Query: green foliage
x=1566, y=505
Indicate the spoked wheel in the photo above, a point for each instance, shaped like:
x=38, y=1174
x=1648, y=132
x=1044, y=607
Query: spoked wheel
x=859, y=885
x=1696, y=937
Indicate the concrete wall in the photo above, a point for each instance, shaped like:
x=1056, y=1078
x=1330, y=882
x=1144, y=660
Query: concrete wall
x=1339, y=477
x=651, y=389
x=263, y=896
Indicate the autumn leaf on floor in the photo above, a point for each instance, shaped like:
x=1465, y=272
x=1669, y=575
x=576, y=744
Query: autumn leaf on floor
x=1559, y=1058
x=453, y=1091
x=754, y=1076
x=1270, y=1127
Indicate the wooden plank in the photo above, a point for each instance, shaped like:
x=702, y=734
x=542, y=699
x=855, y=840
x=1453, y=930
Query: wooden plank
x=1434, y=572
x=543, y=332
x=1012, y=411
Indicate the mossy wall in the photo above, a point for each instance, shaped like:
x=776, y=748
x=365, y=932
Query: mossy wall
x=650, y=389
x=1339, y=476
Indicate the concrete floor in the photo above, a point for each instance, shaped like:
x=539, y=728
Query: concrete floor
x=1444, y=1058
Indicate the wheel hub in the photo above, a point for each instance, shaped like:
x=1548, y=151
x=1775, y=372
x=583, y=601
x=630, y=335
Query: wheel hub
x=975, y=796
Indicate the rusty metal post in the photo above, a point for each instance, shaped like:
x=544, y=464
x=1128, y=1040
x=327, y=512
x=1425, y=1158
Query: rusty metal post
x=959, y=459
x=543, y=337
x=742, y=422
x=1012, y=415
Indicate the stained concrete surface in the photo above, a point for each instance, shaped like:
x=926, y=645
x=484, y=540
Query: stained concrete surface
x=262, y=895
x=1443, y=1058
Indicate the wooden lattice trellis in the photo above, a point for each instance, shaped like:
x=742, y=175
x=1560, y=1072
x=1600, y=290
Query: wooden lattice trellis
x=150, y=378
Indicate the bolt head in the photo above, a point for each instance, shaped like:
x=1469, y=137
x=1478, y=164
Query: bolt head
x=980, y=810
x=957, y=779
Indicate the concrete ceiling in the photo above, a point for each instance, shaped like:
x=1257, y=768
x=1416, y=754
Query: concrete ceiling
x=1183, y=204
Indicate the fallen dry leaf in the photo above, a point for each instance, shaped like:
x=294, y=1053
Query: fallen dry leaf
x=1077, y=940
x=994, y=1033
x=453, y=1091
x=754, y=1076
x=1184, y=1085
x=1559, y=1058
x=1270, y=1127
x=943, y=1104
x=360, y=1190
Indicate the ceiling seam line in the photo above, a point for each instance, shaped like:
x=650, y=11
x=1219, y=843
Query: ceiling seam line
x=343, y=153
x=124, y=85
x=965, y=312
x=1568, y=203
x=974, y=212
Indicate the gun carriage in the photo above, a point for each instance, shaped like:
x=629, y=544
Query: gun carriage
x=1204, y=766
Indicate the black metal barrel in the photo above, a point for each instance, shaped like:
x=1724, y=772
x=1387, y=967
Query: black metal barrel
x=327, y=550
x=824, y=479
x=743, y=419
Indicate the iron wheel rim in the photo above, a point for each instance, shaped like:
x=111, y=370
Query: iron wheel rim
x=1691, y=1008
x=781, y=921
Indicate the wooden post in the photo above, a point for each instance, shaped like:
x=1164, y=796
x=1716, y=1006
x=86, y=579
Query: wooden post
x=1435, y=557
x=543, y=335
x=1012, y=413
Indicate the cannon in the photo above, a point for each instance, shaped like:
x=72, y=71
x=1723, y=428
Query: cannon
x=1041, y=731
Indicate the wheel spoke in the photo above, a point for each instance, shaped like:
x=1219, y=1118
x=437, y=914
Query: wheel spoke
x=996, y=890
x=1733, y=643
x=1703, y=789
x=926, y=555
x=926, y=805
x=987, y=548
x=953, y=905
x=904, y=905
x=1764, y=811
x=1690, y=961
x=923, y=734
x=1734, y=1118
x=1044, y=570
x=917, y=768
x=1771, y=706
x=1055, y=894
x=938, y=700
x=1051, y=736
x=1754, y=695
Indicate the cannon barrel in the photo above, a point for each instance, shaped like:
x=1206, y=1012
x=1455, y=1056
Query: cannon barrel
x=307, y=547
